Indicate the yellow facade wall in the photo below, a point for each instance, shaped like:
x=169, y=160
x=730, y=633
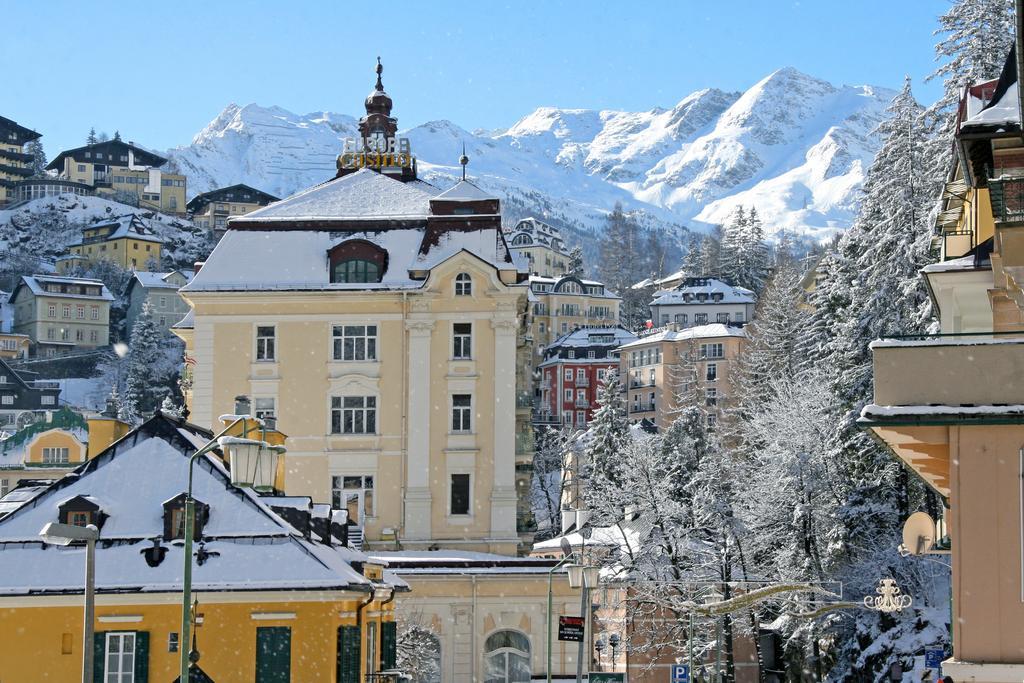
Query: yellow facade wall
x=32, y=648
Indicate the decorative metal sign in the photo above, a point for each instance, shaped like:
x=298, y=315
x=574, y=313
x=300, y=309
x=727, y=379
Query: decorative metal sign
x=889, y=598
x=376, y=152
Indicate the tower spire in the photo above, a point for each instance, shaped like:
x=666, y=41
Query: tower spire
x=464, y=160
x=380, y=69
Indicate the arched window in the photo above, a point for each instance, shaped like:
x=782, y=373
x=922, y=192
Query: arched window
x=521, y=240
x=355, y=261
x=463, y=284
x=507, y=658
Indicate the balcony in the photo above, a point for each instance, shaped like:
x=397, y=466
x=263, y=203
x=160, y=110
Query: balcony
x=16, y=170
x=16, y=156
x=543, y=417
x=583, y=381
x=1007, y=196
x=102, y=180
x=582, y=403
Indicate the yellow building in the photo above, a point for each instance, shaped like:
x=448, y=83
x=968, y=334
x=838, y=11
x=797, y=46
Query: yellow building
x=675, y=368
x=62, y=314
x=950, y=404
x=125, y=172
x=124, y=240
x=14, y=345
x=43, y=451
x=563, y=304
x=15, y=162
x=278, y=600
x=211, y=210
x=541, y=245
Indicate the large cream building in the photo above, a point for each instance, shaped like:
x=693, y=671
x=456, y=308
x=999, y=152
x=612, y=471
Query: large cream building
x=61, y=314
x=14, y=159
x=541, y=245
x=380, y=321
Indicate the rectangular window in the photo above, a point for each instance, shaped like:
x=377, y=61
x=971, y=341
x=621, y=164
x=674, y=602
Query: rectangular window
x=711, y=397
x=354, y=494
x=353, y=414
x=79, y=335
x=568, y=374
x=712, y=372
x=80, y=312
x=371, y=649
x=47, y=400
x=568, y=394
x=601, y=374
x=652, y=377
x=80, y=518
x=712, y=350
x=700, y=318
x=7, y=400
x=94, y=336
x=581, y=417
x=65, y=311
x=263, y=407
x=712, y=421
x=723, y=317
x=94, y=312
x=591, y=354
x=462, y=335
x=265, y=350
x=119, y=658
x=51, y=311
x=55, y=455
x=5, y=486
x=354, y=342
x=462, y=411
x=460, y=494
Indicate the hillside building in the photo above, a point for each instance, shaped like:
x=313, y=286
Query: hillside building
x=561, y=305
x=949, y=405
x=61, y=314
x=15, y=162
x=573, y=368
x=24, y=399
x=672, y=368
x=160, y=291
x=541, y=245
x=211, y=210
x=272, y=575
x=43, y=451
x=125, y=172
x=702, y=301
x=124, y=240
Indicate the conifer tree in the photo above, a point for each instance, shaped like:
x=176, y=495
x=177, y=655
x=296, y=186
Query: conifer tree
x=576, y=261
x=692, y=265
x=91, y=138
x=609, y=430
x=117, y=135
x=144, y=389
x=730, y=260
x=38, y=163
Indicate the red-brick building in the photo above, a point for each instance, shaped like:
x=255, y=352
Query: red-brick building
x=574, y=366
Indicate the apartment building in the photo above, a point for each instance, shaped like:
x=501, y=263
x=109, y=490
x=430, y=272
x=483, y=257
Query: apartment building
x=123, y=171
x=160, y=291
x=949, y=404
x=541, y=245
x=672, y=368
x=211, y=210
x=563, y=304
x=701, y=301
x=44, y=450
x=61, y=314
x=15, y=162
x=573, y=369
x=123, y=240
x=24, y=399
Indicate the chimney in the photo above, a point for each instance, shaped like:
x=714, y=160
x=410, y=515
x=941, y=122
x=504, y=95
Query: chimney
x=197, y=266
x=103, y=431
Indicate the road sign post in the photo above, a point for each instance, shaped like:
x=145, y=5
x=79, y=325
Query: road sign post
x=570, y=629
x=933, y=660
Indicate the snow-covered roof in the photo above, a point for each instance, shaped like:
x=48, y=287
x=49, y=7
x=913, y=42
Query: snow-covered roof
x=873, y=412
x=413, y=562
x=464, y=191
x=585, y=336
x=1000, y=112
x=698, y=332
x=660, y=282
x=962, y=263
x=37, y=285
x=297, y=259
x=364, y=194
x=186, y=323
x=151, y=280
x=688, y=294
x=129, y=481
x=128, y=225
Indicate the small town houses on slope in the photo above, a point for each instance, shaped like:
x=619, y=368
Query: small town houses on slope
x=280, y=597
x=951, y=405
x=211, y=210
x=541, y=245
x=702, y=300
x=160, y=291
x=43, y=451
x=15, y=161
x=61, y=314
x=125, y=241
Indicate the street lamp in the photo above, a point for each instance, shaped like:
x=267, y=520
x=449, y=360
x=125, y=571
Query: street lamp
x=566, y=556
x=253, y=464
x=64, y=534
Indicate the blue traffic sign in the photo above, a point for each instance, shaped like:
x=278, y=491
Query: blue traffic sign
x=680, y=673
x=933, y=660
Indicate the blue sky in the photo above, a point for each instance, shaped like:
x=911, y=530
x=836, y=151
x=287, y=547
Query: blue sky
x=160, y=76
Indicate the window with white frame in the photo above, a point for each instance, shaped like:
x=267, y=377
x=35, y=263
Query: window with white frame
x=568, y=394
x=51, y=311
x=354, y=342
x=263, y=406
x=712, y=372
x=591, y=354
x=54, y=456
x=47, y=400
x=354, y=493
x=460, y=494
x=65, y=311
x=462, y=412
x=462, y=340
x=723, y=317
x=581, y=417
x=568, y=374
x=700, y=318
x=265, y=343
x=572, y=353
x=601, y=374
x=94, y=312
x=353, y=414
x=711, y=397
x=463, y=284
x=7, y=400
x=119, y=657
x=712, y=351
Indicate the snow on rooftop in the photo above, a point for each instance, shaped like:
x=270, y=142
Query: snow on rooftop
x=710, y=288
x=698, y=332
x=364, y=194
x=1003, y=112
x=155, y=280
x=585, y=337
x=36, y=284
x=962, y=263
x=465, y=191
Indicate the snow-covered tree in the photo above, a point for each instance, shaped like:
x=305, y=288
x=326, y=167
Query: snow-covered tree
x=744, y=259
x=576, y=261
x=609, y=430
x=622, y=264
x=418, y=651
x=711, y=254
x=692, y=262
x=117, y=135
x=556, y=451
x=38, y=163
x=145, y=386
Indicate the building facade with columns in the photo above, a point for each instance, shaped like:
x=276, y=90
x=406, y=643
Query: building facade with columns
x=379, y=319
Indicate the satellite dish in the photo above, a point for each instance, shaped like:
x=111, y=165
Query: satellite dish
x=566, y=546
x=918, y=533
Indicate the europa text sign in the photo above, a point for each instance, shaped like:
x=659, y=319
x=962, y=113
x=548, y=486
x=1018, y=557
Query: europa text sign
x=570, y=629
x=376, y=152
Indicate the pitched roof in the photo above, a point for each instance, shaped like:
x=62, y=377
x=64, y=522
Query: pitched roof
x=228, y=194
x=124, y=226
x=129, y=481
x=699, y=332
x=693, y=287
x=109, y=148
x=464, y=191
x=23, y=134
x=37, y=285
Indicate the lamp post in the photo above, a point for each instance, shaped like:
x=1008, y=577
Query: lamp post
x=566, y=556
x=64, y=534
x=253, y=463
x=586, y=578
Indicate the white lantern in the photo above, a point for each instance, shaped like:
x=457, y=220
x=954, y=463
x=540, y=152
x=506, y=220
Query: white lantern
x=253, y=462
x=575, y=572
x=591, y=576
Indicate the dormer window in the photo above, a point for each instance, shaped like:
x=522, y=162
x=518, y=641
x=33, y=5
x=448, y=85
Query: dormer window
x=81, y=511
x=174, y=518
x=357, y=261
x=463, y=284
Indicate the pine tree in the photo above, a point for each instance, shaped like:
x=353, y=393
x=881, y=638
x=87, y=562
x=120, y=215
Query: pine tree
x=711, y=254
x=621, y=265
x=730, y=261
x=91, y=138
x=756, y=253
x=38, y=163
x=692, y=265
x=576, y=261
x=117, y=135
x=144, y=389
x=609, y=430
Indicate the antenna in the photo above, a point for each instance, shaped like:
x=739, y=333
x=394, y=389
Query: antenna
x=464, y=160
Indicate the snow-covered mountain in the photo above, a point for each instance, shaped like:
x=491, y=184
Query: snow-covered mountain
x=794, y=146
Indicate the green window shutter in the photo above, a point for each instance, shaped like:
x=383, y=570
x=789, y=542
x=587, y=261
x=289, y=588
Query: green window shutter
x=99, y=656
x=141, y=657
x=389, y=645
x=348, y=654
x=273, y=654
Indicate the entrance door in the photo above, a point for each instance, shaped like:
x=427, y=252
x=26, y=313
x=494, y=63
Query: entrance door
x=273, y=654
